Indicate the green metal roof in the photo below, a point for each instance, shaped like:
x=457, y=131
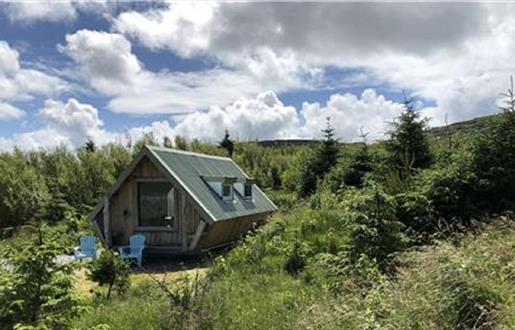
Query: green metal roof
x=189, y=168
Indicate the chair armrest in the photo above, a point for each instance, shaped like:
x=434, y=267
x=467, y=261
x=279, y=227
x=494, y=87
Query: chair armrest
x=122, y=249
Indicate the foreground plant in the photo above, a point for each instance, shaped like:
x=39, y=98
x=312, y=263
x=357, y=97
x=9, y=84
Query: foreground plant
x=36, y=291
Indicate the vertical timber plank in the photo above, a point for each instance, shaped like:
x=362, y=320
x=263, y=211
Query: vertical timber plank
x=107, y=224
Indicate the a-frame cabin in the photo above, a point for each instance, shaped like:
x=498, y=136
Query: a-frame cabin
x=183, y=202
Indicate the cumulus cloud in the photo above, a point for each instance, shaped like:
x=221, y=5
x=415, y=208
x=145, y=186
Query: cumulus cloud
x=78, y=121
x=455, y=54
x=256, y=118
x=18, y=83
x=70, y=124
x=262, y=117
x=107, y=62
x=185, y=28
x=350, y=113
x=48, y=10
x=8, y=111
x=326, y=31
x=266, y=117
x=106, y=59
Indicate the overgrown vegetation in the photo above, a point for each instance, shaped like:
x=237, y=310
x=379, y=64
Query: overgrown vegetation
x=412, y=233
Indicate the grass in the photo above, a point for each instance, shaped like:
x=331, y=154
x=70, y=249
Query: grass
x=464, y=283
x=470, y=285
x=144, y=306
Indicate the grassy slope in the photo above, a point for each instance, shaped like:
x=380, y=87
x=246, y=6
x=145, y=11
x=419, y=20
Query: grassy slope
x=443, y=287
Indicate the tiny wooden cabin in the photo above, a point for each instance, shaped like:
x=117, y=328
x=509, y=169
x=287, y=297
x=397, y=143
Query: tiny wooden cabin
x=182, y=202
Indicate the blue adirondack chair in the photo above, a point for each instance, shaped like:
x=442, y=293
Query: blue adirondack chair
x=87, y=249
x=135, y=249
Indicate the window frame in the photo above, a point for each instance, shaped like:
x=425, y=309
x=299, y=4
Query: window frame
x=229, y=197
x=139, y=227
x=248, y=197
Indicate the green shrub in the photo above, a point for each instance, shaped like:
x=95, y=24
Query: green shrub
x=110, y=270
x=416, y=212
x=35, y=289
x=296, y=260
x=494, y=164
x=375, y=230
x=23, y=193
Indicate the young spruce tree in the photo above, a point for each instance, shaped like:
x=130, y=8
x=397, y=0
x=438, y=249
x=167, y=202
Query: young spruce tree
x=227, y=143
x=320, y=162
x=408, y=145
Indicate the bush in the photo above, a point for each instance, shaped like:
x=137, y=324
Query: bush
x=23, y=193
x=416, y=212
x=35, y=290
x=350, y=171
x=375, y=230
x=452, y=192
x=296, y=261
x=110, y=270
x=494, y=164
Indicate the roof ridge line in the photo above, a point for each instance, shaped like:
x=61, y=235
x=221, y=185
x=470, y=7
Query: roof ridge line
x=184, y=152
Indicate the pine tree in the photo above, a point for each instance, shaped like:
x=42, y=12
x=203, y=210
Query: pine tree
x=408, y=145
x=227, y=143
x=360, y=166
x=90, y=146
x=328, y=154
x=320, y=162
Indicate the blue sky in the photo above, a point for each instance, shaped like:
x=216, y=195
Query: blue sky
x=112, y=72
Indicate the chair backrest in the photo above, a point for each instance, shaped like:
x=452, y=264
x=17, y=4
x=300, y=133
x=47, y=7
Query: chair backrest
x=137, y=243
x=88, y=243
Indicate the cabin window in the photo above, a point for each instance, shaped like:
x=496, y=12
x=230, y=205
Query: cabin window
x=247, y=191
x=227, y=192
x=155, y=204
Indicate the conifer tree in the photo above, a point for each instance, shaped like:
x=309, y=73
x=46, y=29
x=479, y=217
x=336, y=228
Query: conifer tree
x=90, y=146
x=227, y=143
x=328, y=153
x=360, y=166
x=320, y=162
x=408, y=145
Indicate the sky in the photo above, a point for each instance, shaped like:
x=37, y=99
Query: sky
x=114, y=71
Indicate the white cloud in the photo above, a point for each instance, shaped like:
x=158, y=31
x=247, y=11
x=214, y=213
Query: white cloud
x=106, y=61
x=349, y=114
x=8, y=111
x=458, y=55
x=185, y=28
x=266, y=117
x=261, y=117
x=77, y=121
x=48, y=10
x=324, y=31
x=70, y=124
x=18, y=83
